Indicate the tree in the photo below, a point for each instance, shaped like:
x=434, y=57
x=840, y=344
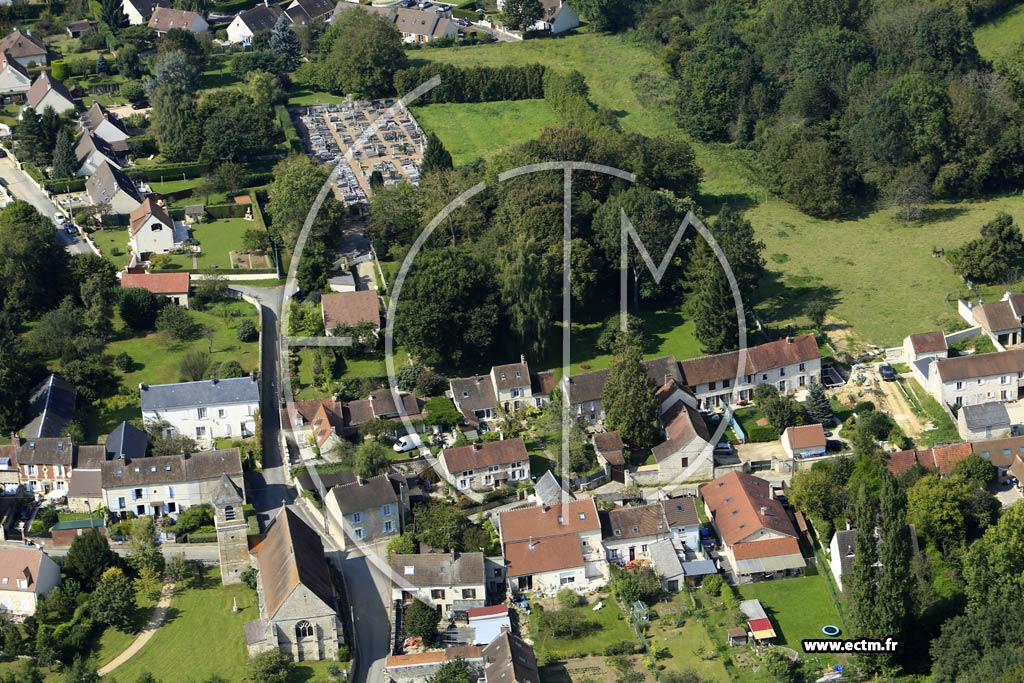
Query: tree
x=613, y=326
x=976, y=470
x=665, y=163
x=112, y=14
x=936, y=507
x=284, y=43
x=436, y=156
x=447, y=312
x=176, y=324
x=522, y=14
x=142, y=546
x=194, y=366
x=360, y=54
x=32, y=263
x=89, y=557
x=139, y=308
x=166, y=441
x=607, y=15
x=29, y=136
x=780, y=412
x=297, y=180
x=637, y=584
x=457, y=670
x=440, y=526
x=908, y=191
x=81, y=670
x=264, y=88
x=371, y=458
x=172, y=94
x=247, y=331
x=403, y=545
x=180, y=570
x=894, y=578
x=816, y=311
x=272, y=666
x=421, y=620
x=97, y=294
x=113, y=601
x=128, y=64
x=713, y=308
x=818, y=407
x=64, y=162
x=229, y=369
x=863, y=583
x=628, y=397
x=990, y=257
x=102, y=66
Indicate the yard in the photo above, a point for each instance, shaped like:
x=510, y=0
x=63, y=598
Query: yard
x=921, y=402
x=688, y=646
x=610, y=626
x=193, y=616
x=217, y=238
x=878, y=271
x=798, y=607
x=483, y=129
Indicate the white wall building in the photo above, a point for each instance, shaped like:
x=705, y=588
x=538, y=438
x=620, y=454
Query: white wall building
x=204, y=410
x=973, y=380
x=26, y=576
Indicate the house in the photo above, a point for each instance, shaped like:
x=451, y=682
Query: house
x=487, y=623
x=423, y=26
x=1006, y=455
x=139, y=11
x=52, y=405
x=151, y=230
x=665, y=561
x=842, y=552
x=683, y=520
x=805, y=441
x=174, y=286
x=298, y=607
x=476, y=399
x=26, y=576
x=449, y=582
x=110, y=186
x=509, y=659
x=487, y=465
x=45, y=464
x=63, y=534
x=204, y=410
x=420, y=667
x=164, y=19
x=975, y=379
x=343, y=281
x=24, y=48
x=247, y=24
x=628, y=532
x=349, y=309
x=984, y=421
x=85, y=490
x=512, y=385
x=14, y=78
x=167, y=484
x=559, y=17
x=610, y=451
x=366, y=511
x=790, y=365
x=550, y=547
x=80, y=27
x=686, y=454
x=304, y=11
x=10, y=478
x=510, y=388
x=1002, y=321
x=321, y=418
x=585, y=390
x=47, y=91
x=126, y=442
x=549, y=491
x=381, y=405
x=91, y=151
x=106, y=126
x=925, y=345
x=756, y=533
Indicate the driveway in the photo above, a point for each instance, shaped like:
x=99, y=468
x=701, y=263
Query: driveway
x=19, y=185
x=890, y=397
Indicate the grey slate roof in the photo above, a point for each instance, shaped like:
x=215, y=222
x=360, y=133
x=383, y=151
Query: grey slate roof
x=589, y=385
x=107, y=181
x=90, y=143
x=369, y=494
x=984, y=416
x=126, y=441
x=847, y=543
x=46, y=451
x=509, y=659
x=89, y=458
x=52, y=402
x=202, y=393
x=226, y=492
x=96, y=115
x=681, y=512
x=261, y=17
x=666, y=560
x=171, y=469
x=440, y=569
x=549, y=491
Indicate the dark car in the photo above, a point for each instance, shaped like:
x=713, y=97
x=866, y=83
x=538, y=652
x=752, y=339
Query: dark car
x=141, y=104
x=888, y=374
x=3, y=153
x=836, y=446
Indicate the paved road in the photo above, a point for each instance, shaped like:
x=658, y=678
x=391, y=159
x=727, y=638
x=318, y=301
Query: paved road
x=23, y=188
x=370, y=613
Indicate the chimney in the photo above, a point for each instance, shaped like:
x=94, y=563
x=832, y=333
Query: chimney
x=213, y=381
x=764, y=510
x=789, y=340
x=522, y=358
x=252, y=375
x=142, y=387
x=477, y=447
x=359, y=479
x=532, y=545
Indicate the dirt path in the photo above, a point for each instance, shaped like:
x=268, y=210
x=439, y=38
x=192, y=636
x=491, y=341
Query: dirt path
x=140, y=641
x=893, y=401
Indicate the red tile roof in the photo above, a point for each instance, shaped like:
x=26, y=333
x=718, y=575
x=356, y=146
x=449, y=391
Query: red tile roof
x=540, y=522
x=805, y=436
x=147, y=209
x=946, y=457
x=928, y=342
x=771, y=547
x=350, y=308
x=485, y=454
x=158, y=283
x=736, y=501
x=776, y=354
x=543, y=555
x=493, y=610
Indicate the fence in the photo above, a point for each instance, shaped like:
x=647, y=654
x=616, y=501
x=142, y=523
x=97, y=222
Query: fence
x=737, y=430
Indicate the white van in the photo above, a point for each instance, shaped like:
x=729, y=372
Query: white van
x=407, y=443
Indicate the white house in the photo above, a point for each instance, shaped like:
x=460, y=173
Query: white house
x=975, y=379
x=165, y=18
x=167, y=484
x=790, y=365
x=683, y=520
x=26, y=576
x=451, y=582
x=585, y=390
x=558, y=17
x=628, y=532
x=204, y=410
x=805, y=441
x=174, y=286
x=1002, y=321
x=105, y=126
x=47, y=91
x=304, y=11
x=686, y=454
x=423, y=26
x=25, y=48
x=487, y=465
x=151, y=229
x=109, y=185
x=139, y=11
x=925, y=345
x=250, y=22
x=92, y=151
x=14, y=78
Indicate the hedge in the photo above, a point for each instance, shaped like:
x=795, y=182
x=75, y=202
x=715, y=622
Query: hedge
x=259, y=179
x=142, y=146
x=202, y=538
x=226, y=210
x=61, y=185
x=168, y=172
x=468, y=15
x=567, y=94
x=761, y=434
x=257, y=212
x=475, y=84
x=291, y=136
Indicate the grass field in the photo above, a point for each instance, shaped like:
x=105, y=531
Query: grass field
x=113, y=642
x=878, y=272
x=218, y=238
x=611, y=627
x=485, y=128
x=193, y=617
x=301, y=97
x=923, y=405
x=997, y=39
x=688, y=645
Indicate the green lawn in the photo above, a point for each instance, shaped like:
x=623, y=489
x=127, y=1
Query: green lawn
x=878, y=271
x=113, y=244
x=611, y=627
x=195, y=616
x=922, y=403
x=798, y=607
x=999, y=38
x=300, y=97
x=373, y=365
x=483, y=129
x=219, y=237
x=113, y=642
x=688, y=645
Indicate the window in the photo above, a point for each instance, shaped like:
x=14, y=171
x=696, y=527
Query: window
x=802, y=367
x=469, y=594
x=764, y=376
x=566, y=579
x=711, y=386
x=387, y=510
x=959, y=386
x=220, y=412
x=229, y=512
x=303, y=629
x=437, y=594
x=1004, y=379
x=31, y=470
x=172, y=507
x=726, y=383
x=803, y=380
x=465, y=394
x=357, y=517
x=120, y=502
x=748, y=379
x=200, y=413
x=137, y=494
x=170, y=492
x=388, y=526
x=467, y=473
x=684, y=462
x=200, y=432
x=782, y=372
x=359, y=534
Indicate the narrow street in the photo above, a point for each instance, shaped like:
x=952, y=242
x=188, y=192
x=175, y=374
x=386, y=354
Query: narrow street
x=22, y=187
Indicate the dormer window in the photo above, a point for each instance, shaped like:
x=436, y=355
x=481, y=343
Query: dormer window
x=636, y=530
x=465, y=394
x=618, y=532
x=503, y=376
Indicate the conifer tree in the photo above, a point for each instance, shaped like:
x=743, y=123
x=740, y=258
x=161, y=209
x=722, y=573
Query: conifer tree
x=436, y=156
x=284, y=43
x=628, y=398
x=818, y=406
x=64, y=161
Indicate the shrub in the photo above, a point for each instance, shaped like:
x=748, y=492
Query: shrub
x=249, y=577
x=864, y=407
x=761, y=434
x=133, y=91
x=123, y=362
x=623, y=647
x=343, y=653
x=247, y=331
x=568, y=598
x=407, y=376
x=429, y=383
x=713, y=584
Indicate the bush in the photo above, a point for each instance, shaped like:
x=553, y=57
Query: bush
x=123, y=362
x=133, y=91
x=247, y=331
x=344, y=654
x=761, y=434
x=713, y=584
x=623, y=647
x=429, y=383
x=568, y=598
x=864, y=407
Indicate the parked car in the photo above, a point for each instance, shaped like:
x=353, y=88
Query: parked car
x=407, y=443
x=3, y=153
x=141, y=104
x=888, y=374
x=836, y=446
x=724, y=448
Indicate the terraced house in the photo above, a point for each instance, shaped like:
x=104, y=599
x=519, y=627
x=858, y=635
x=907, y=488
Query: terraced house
x=450, y=582
x=973, y=380
x=486, y=465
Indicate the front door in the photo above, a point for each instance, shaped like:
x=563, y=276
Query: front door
x=632, y=553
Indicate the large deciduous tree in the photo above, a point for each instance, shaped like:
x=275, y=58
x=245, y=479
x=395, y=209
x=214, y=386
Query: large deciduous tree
x=172, y=93
x=32, y=263
x=297, y=180
x=113, y=601
x=522, y=14
x=628, y=397
x=361, y=53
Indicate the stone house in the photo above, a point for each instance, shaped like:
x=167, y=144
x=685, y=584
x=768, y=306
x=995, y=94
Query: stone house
x=450, y=582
